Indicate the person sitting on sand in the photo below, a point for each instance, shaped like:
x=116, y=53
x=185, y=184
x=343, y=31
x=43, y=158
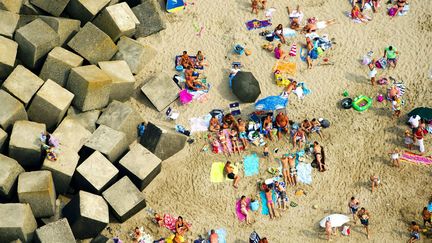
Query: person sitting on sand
x=279, y=33
x=391, y=54
x=282, y=124
x=356, y=14
x=426, y=215
x=364, y=217
x=400, y=4
x=137, y=234
x=241, y=127
x=295, y=18
x=185, y=60
x=316, y=127
x=234, y=70
x=282, y=199
x=223, y=142
x=299, y=138
x=255, y=6
x=414, y=232
x=394, y=156
x=306, y=125
x=200, y=59
x=233, y=137
x=229, y=170
x=270, y=203
x=230, y=120
x=279, y=53
x=293, y=170
x=290, y=87
x=318, y=152
x=375, y=4
x=214, y=125
x=180, y=226
x=314, y=25
x=157, y=219
x=375, y=181
x=191, y=80
x=396, y=107
x=285, y=170
x=243, y=208
x=213, y=237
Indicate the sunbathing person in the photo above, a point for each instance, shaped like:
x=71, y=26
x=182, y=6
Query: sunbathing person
x=233, y=137
x=356, y=14
x=285, y=170
x=317, y=151
x=282, y=123
x=314, y=25
x=282, y=196
x=299, y=138
x=270, y=203
x=229, y=170
x=279, y=33
x=290, y=87
x=293, y=170
x=241, y=126
x=243, y=209
x=185, y=60
x=295, y=18
x=230, y=120
x=223, y=142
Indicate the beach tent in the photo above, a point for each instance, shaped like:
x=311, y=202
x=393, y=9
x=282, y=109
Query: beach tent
x=271, y=103
x=423, y=112
x=336, y=220
x=246, y=87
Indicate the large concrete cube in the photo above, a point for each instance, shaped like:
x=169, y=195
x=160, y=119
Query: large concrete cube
x=86, y=119
x=25, y=144
x=17, y=222
x=54, y=7
x=85, y=10
x=63, y=169
x=50, y=104
x=3, y=137
x=8, y=23
x=13, y=6
x=123, y=81
x=55, y=232
x=11, y=111
x=93, y=44
x=161, y=91
x=111, y=143
x=150, y=17
x=29, y=9
x=91, y=87
x=124, y=199
x=65, y=28
x=134, y=53
x=71, y=134
x=10, y=170
x=140, y=165
x=121, y=117
x=37, y=189
x=95, y=174
x=34, y=44
x=117, y=20
x=58, y=64
x=87, y=214
x=8, y=50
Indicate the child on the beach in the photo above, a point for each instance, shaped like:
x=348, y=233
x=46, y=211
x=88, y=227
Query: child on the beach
x=263, y=4
x=375, y=182
x=255, y=6
x=394, y=156
x=372, y=72
x=266, y=153
x=409, y=139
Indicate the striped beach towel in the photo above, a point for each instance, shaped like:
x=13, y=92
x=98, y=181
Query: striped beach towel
x=416, y=158
x=293, y=51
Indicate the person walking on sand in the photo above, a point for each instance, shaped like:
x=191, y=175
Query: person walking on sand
x=414, y=232
x=229, y=170
x=353, y=206
x=394, y=156
x=293, y=170
x=372, y=72
x=375, y=182
x=419, y=137
x=364, y=217
x=213, y=236
x=255, y=6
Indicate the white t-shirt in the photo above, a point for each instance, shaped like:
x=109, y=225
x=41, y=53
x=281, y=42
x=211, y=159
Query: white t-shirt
x=373, y=73
x=414, y=121
x=234, y=71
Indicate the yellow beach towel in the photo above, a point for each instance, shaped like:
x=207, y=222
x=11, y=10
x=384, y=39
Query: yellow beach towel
x=217, y=172
x=285, y=67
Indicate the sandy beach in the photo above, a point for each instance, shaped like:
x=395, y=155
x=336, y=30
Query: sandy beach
x=356, y=144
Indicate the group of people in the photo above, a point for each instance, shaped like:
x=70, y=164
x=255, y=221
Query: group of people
x=192, y=76
x=359, y=5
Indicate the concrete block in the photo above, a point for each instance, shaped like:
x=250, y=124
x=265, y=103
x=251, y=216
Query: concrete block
x=71, y=134
x=86, y=119
x=8, y=23
x=111, y=143
x=117, y=20
x=37, y=189
x=91, y=87
x=10, y=170
x=17, y=222
x=65, y=28
x=85, y=10
x=50, y=104
x=54, y=7
x=8, y=50
x=29, y=9
x=3, y=137
x=58, y=64
x=34, y=44
x=161, y=91
x=26, y=19
x=121, y=117
x=63, y=169
x=124, y=199
x=55, y=232
x=134, y=53
x=140, y=165
x=60, y=203
x=162, y=142
x=13, y=6
x=11, y=111
x=87, y=214
x=123, y=81
x=150, y=17
x=25, y=144
x=23, y=84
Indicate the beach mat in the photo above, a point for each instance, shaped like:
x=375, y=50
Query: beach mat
x=251, y=164
x=304, y=173
x=264, y=208
x=217, y=174
x=416, y=158
x=257, y=24
x=239, y=214
x=285, y=67
x=193, y=58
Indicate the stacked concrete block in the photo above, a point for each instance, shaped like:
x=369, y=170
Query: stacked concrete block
x=54, y=7
x=62, y=169
x=8, y=23
x=86, y=119
x=111, y=143
x=29, y=9
x=34, y=44
x=60, y=203
x=11, y=111
x=124, y=199
x=25, y=144
x=65, y=28
x=37, y=189
x=71, y=134
x=134, y=53
x=8, y=50
x=85, y=10
x=3, y=137
x=26, y=19
x=121, y=117
x=140, y=165
x=50, y=104
x=23, y=84
x=150, y=17
x=17, y=222
x=122, y=78
x=161, y=91
x=117, y=20
x=95, y=174
x=10, y=170
x=13, y=6
x=87, y=215
x=58, y=231
x=91, y=87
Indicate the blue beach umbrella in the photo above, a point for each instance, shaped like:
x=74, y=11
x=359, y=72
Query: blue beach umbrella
x=271, y=103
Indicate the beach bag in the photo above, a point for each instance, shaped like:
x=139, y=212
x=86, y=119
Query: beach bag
x=314, y=54
x=324, y=123
x=270, y=37
x=346, y=230
x=185, y=97
x=392, y=11
x=254, y=206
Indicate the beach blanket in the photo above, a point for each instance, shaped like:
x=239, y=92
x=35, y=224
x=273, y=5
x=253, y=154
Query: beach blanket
x=169, y=222
x=264, y=208
x=239, y=214
x=199, y=124
x=285, y=67
x=251, y=164
x=304, y=173
x=416, y=158
x=193, y=59
x=217, y=174
x=287, y=32
x=221, y=235
x=228, y=142
x=257, y=24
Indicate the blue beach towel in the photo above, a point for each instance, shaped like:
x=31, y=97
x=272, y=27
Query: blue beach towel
x=221, y=235
x=251, y=165
x=304, y=173
x=264, y=208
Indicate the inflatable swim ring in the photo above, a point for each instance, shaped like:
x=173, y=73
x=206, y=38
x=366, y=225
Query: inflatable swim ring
x=362, y=103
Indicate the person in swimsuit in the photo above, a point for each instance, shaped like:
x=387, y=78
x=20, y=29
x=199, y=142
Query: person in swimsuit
x=241, y=126
x=394, y=156
x=375, y=181
x=229, y=170
x=223, y=142
x=214, y=238
x=400, y=4
x=282, y=123
x=233, y=137
x=328, y=228
x=180, y=227
x=270, y=204
x=362, y=3
x=314, y=25
x=290, y=87
x=293, y=170
x=268, y=125
x=299, y=138
x=295, y=18
x=285, y=170
x=229, y=118
x=356, y=14
x=279, y=33
x=306, y=125
x=396, y=107
x=200, y=59
x=353, y=206
x=364, y=217
x=282, y=196
x=414, y=232
x=214, y=125
x=317, y=151
x=426, y=215
x=243, y=208
x=279, y=53
x=372, y=72
x=185, y=60
x=309, y=48
x=255, y=6
x=316, y=127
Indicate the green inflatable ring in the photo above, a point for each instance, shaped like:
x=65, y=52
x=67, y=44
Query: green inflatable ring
x=362, y=103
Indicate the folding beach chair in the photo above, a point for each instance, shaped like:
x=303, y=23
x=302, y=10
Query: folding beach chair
x=172, y=114
x=235, y=108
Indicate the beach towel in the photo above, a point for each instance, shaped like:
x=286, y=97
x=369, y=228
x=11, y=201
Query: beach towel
x=217, y=174
x=287, y=32
x=228, y=142
x=221, y=235
x=251, y=165
x=199, y=124
x=416, y=158
x=193, y=59
x=304, y=173
x=239, y=214
x=169, y=222
x=293, y=50
x=285, y=67
x=356, y=20
x=257, y=24
x=264, y=208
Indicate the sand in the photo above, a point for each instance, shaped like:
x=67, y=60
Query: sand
x=356, y=144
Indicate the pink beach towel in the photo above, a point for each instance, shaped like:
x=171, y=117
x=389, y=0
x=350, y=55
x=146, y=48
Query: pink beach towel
x=416, y=158
x=240, y=215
